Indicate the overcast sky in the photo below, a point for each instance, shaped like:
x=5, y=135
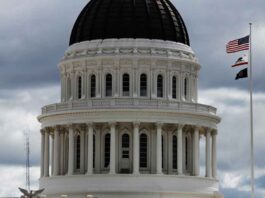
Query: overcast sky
x=35, y=34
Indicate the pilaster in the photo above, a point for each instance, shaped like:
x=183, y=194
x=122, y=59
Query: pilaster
x=159, y=148
x=136, y=147
x=112, y=147
x=214, y=165
x=90, y=148
x=180, y=162
x=71, y=150
x=208, y=153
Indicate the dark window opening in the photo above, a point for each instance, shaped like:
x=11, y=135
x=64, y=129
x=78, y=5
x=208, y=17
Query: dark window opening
x=107, y=150
x=126, y=85
x=175, y=151
x=143, y=85
x=108, y=85
x=78, y=147
x=160, y=86
x=79, y=87
x=93, y=86
x=186, y=88
x=143, y=151
x=174, y=87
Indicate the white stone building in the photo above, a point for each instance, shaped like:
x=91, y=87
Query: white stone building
x=128, y=124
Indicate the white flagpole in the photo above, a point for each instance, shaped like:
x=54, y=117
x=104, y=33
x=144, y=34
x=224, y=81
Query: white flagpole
x=251, y=113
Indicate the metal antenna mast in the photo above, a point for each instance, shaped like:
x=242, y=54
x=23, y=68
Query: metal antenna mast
x=27, y=162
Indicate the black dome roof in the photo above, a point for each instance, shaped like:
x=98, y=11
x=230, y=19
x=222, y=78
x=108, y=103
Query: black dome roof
x=150, y=19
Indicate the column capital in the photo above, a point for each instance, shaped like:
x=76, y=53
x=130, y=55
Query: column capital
x=70, y=126
x=57, y=128
x=180, y=125
x=49, y=129
x=42, y=131
x=81, y=127
x=159, y=124
x=208, y=130
x=196, y=127
x=89, y=124
x=136, y=124
x=214, y=132
x=112, y=124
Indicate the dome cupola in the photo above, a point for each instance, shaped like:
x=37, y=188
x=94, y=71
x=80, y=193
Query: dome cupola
x=146, y=19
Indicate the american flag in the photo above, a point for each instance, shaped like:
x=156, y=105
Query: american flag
x=238, y=45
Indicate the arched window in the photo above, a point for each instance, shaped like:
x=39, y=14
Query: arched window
x=126, y=85
x=160, y=86
x=94, y=150
x=175, y=151
x=125, y=146
x=186, y=88
x=107, y=150
x=174, y=87
x=143, y=85
x=69, y=90
x=108, y=85
x=93, y=86
x=143, y=150
x=186, y=151
x=79, y=87
x=77, y=152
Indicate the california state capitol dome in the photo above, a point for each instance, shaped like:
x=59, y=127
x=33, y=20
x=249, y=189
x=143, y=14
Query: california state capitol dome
x=128, y=123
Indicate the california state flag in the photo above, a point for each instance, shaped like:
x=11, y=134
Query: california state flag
x=241, y=61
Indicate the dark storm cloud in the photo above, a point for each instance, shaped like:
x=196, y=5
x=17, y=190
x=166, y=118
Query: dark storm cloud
x=33, y=38
x=35, y=35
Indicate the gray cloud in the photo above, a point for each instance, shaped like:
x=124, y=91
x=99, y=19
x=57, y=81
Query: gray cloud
x=211, y=25
x=33, y=39
x=21, y=109
x=35, y=36
x=235, y=193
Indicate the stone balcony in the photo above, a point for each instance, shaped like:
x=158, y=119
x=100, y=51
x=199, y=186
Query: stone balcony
x=130, y=103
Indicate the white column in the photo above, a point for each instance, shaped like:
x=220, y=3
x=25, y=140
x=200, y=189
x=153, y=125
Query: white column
x=196, y=149
x=208, y=153
x=98, y=154
x=46, y=154
x=62, y=151
x=82, y=150
x=214, y=167
x=71, y=151
x=159, y=148
x=112, y=148
x=42, y=152
x=180, y=168
x=136, y=148
x=90, y=149
x=52, y=157
x=56, y=152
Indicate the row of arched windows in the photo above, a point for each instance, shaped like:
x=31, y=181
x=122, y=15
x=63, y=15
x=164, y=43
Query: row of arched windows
x=126, y=86
x=143, y=150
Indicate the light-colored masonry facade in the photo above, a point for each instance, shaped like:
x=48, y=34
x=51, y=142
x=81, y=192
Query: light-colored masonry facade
x=128, y=124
